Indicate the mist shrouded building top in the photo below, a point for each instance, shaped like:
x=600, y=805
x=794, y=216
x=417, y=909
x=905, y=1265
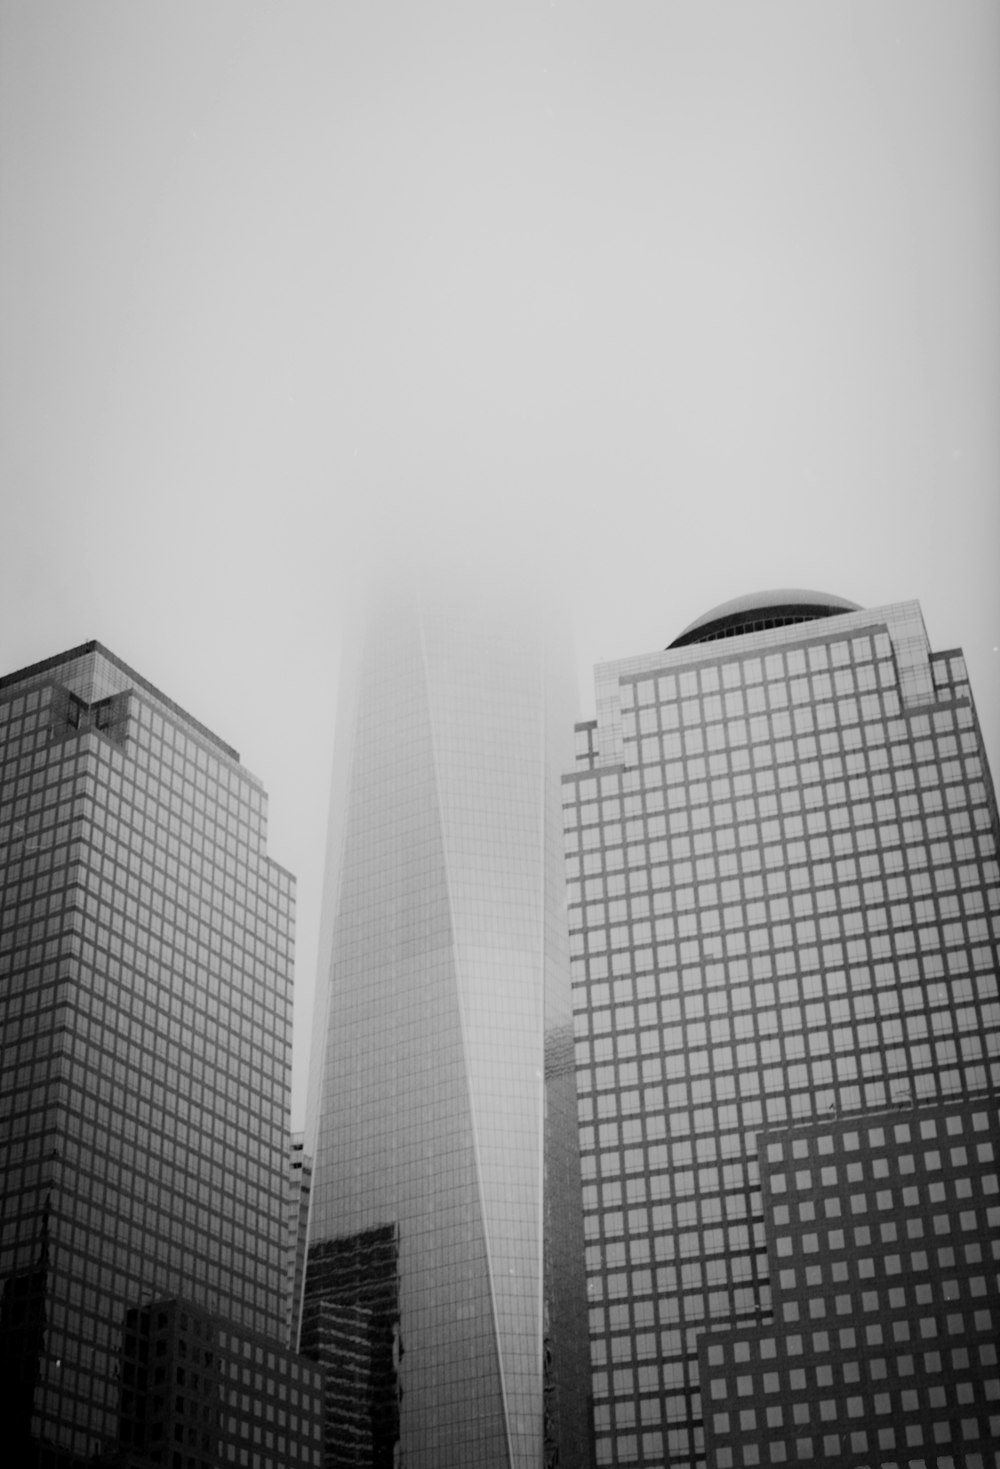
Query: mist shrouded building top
x=445, y=1240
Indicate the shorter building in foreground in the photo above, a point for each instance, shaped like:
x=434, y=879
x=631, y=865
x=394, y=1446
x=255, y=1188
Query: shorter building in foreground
x=198, y=1392
x=883, y=1246
x=350, y=1327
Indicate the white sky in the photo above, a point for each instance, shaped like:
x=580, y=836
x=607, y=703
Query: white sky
x=684, y=299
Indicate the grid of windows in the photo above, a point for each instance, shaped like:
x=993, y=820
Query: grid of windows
x=146, y=953
x=783, y=886
x=884, y=1246
x=197, y=1394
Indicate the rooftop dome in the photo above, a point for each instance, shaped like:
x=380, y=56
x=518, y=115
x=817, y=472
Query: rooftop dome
x=761, y=610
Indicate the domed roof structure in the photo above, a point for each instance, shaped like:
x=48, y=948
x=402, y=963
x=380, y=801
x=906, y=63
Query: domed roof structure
x=761, y=610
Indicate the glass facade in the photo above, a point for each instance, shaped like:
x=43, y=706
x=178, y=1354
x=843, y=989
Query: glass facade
x=782, y=856
x=448, y=1005
x=146, y=960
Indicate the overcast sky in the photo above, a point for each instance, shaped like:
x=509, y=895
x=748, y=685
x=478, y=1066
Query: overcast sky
x=684, y=299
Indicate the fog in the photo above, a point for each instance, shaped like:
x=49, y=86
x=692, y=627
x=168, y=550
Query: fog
x=674, y=301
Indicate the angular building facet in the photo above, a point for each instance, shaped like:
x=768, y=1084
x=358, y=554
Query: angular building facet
x=445, y=1241
x=784, y=905
x=145, y=957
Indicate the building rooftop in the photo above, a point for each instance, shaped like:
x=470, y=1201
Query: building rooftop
x=73, y=655
x=758, y=610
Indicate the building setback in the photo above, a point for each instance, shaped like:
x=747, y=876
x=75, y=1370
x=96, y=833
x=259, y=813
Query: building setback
x=444, y=1282
x=145, y=954
x=883, y=1239
x=783, y=883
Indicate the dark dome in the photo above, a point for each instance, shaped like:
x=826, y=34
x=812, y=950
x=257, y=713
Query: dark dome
x=760, y=610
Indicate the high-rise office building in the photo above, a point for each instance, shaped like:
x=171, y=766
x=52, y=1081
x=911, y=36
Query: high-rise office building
x=445, y=1271
x=145, y=953
x=783, y=883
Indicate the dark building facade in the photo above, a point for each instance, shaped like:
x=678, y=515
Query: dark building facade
x=445, y=1268
x=782, y=857
x=199, y=1390
x=883, y=1248
x=145, y=954
x=350, y=1326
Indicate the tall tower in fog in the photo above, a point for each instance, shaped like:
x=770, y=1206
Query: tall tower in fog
x=784, y=908
x=444, y=1277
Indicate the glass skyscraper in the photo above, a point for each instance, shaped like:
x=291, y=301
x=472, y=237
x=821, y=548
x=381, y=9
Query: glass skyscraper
x=783, y=883
x=445, y=1269
x=146, y=957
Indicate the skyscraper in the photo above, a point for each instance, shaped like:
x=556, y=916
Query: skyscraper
x=145, y=951
x=445, y=1241
x=783, y=882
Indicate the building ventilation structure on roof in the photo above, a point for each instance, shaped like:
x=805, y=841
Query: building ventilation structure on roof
x=761, y=610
